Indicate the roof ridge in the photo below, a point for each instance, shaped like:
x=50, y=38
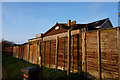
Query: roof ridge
x=98, y=20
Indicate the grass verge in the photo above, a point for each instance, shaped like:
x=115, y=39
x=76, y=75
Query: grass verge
x=11, y=70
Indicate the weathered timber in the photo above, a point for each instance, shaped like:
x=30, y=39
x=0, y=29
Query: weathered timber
x=40, y=55
x=37, y=52
x=23, y=52
x=19, y=54
x=78, y=58
x=64, y=56
x=28, y=51
x=50, y=54
x=99, y=55
x=56, y=59
x=32, y=53
x=73, y=54
x=84, y=60
x=109, y=53
x=53, y=52
x=44, y=51
x=53, y=37
x=69, y=48
x=118, y=41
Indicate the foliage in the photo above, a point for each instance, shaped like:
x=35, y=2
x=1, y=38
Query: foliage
x=6, y=43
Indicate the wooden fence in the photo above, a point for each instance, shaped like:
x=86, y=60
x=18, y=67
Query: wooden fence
x=94, y=52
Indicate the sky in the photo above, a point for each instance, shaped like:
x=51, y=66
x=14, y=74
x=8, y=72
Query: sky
x=60, y=0
x=23, y=20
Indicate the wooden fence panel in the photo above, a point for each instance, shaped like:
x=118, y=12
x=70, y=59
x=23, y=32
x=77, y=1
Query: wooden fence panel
x=25, y=55
x=53, y=52
x=50, y=54
x=109, y=53
x=47, y=50
x=60, y=53
x=34, y=53
x=14, y=51
x=31, y=54
x=75, y=53
x=20, y=52
x=80, y=52
x=66, y=53
x=92, y=53
x=118, y=42
x=106, y=44
x=17, y=51
x=42, y=51
x=9, y=51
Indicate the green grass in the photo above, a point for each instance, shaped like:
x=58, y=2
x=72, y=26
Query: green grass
x=11, y=70
x=11, y=67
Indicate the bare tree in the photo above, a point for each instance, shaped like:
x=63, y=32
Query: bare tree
x=6, y=43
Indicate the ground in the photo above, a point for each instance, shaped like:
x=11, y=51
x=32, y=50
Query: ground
x=11, y=70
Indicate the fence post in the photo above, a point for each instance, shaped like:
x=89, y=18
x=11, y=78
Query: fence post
x=44, y=52
x=69, y=48
x=118, y=41
x=50, y=54
x=56, y=61
x=84, y=60
x=99, y=54
x=40, y=56
x=64, y=55
x=72, y=53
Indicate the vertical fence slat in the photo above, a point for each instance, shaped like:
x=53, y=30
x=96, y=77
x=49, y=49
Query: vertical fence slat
x=15, y=51
x=12, y=51
x=19, y=52
x=44, y=52
x=40, y=57
x=64, y=55
x=73, y=54
x=37, y=51
x=32, y=52
x=50, y=54
x=56, y=61
x=99, y=55
x=78, y=59
x=23, y=52
x=84, y=60
x=118, y=41
x=28, y=51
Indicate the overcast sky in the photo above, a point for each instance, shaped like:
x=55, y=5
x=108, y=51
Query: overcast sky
x=23, y=20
